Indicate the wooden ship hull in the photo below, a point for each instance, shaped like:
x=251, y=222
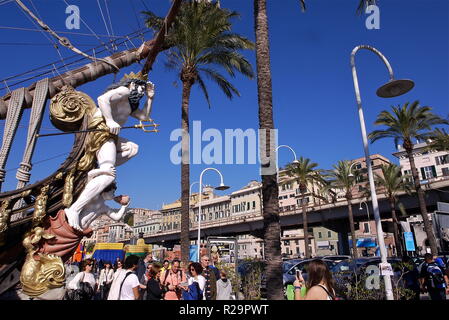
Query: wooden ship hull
x=19, y=208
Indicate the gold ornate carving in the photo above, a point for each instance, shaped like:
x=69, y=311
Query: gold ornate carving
x=68, y=188
x=40, y=206
x=40, y=272
x=68, y=107
x=94, y=141
x=26, y=193
x=4, y=217
x=59, y=176
x=137, y=76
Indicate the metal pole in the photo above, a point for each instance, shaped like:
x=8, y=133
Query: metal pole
x=199, y=204
x=380, y=237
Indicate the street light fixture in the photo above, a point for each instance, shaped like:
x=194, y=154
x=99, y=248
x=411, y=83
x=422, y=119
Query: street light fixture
x=294, y=155
x=350, y=172
x=367, y=210
x=221, y=187
x=393, y=88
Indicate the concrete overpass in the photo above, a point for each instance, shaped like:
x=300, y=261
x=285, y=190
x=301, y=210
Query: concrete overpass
x=332, y=216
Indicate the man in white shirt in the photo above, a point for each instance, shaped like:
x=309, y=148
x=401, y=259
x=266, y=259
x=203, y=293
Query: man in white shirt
x=126, y=285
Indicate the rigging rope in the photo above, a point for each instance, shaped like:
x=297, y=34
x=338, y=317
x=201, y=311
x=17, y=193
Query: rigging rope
x=63, y=41
x=55, y=45
x=102, y=16
x=93, y=32
x=52, y=64
x=41, y=161
x=62, y=32
x=75, y=56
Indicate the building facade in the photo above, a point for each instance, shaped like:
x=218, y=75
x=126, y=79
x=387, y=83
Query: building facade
x=432, y=165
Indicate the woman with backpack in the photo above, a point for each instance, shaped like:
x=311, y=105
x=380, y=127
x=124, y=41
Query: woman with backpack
x=195, y=284
x=82, y=287
x=320, y=284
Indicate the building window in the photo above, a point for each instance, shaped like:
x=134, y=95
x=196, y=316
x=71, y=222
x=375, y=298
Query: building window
x=319, y=235
x=442, y=159
x=329, y=234
x=428, y=172
x=445, y=171
x=366, y=227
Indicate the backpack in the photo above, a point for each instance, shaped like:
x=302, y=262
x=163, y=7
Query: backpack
x=194, y=292
x=84, y=291
x=436, y=277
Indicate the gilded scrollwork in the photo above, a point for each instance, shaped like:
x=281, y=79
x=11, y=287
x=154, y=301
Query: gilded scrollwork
x=68, y=108
x=94, y=141
x=40, y=206
x=4, y=217
x=67, y=198
x=40, y=272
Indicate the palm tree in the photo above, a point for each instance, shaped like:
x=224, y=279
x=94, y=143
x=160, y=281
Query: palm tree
x=270, y=191
x=411, y=121
x=342, y=179
x=392, y=182
x=439, y=140
x=201, y=46
x=305, y=173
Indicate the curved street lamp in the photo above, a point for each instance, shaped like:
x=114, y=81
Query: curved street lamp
x=277, y=159
x=391, y=89
x=350, y=172
x=367, y=210
x=221, y=187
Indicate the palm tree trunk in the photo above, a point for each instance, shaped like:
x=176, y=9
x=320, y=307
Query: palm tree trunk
x=397, y=240
x=271, y=223
x=422, y=202
x=185, y=172
x=355, y=254
x=305, y=228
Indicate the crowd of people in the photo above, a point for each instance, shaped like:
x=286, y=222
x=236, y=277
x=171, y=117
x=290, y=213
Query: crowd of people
x=146, y=279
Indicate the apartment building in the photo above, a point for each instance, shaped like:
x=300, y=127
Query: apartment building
x=150, y=225
x=432, y=165
x=247, y=200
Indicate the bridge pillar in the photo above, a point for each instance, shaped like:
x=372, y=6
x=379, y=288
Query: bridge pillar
x=342, y=228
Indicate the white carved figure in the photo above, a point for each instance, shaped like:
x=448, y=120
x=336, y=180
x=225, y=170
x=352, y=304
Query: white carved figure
x=97, y=207
x=120, y=101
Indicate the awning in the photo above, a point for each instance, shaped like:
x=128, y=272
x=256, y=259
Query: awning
x=364, y=243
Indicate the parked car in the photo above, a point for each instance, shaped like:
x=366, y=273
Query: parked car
x=337, y=258
x=290, y=275
x=347, y=271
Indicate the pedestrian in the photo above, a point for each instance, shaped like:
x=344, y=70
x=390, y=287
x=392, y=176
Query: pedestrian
x=118, y=264
x=105, y=280
x=224, y=287
x=194, y=288
x=320, y=284
x=166, y=266
x=126, y=285
x=210, y=292
x=411, y=277
x=83, y=286
x=432, y=279
x=171, y=280
x=154, y=290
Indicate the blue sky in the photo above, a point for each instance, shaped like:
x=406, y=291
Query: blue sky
x=314, y=103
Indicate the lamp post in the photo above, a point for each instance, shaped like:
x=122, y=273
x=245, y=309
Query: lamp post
x=393, y=88
x=350, y=172
x=367, y=210
x=220, y=187
x=288, y=147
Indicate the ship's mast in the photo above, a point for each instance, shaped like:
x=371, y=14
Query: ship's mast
x=94, y=70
